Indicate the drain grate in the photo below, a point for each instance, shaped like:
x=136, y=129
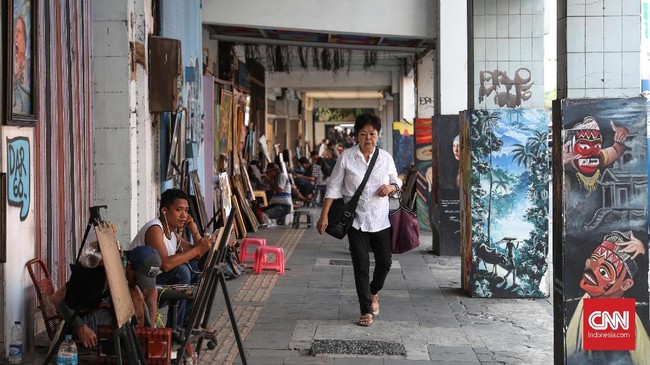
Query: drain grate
x=357, y=347
x=345, y=262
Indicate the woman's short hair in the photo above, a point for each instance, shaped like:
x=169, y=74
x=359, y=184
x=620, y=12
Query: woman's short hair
x=367, y=119
x=170, y=195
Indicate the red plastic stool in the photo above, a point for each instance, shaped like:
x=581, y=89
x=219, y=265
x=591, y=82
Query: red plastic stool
x=243, y=254
x=262, y=262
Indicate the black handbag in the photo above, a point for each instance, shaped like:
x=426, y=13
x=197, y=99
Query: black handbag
x=341, y=215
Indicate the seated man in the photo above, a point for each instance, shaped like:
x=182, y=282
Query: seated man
x=304, y=178
x=280, y=203
x=142, y=266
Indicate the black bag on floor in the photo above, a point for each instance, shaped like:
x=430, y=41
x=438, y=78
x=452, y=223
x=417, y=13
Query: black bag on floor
x=233, y=268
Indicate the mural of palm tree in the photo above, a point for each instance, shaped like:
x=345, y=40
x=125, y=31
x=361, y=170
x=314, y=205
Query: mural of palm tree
x=484, y=142
x=532, y=155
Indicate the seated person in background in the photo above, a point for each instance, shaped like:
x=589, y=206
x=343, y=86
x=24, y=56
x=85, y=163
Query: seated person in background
x=333, y=151
x=179, y=257
x=255, y=175
x=142, y=266
x=280, y=203
x=323, y=167
x=304, y=178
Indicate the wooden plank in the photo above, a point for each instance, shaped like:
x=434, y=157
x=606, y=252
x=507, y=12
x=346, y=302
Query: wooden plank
x=117, y=284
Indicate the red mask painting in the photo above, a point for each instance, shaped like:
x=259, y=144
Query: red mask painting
x=588, y=144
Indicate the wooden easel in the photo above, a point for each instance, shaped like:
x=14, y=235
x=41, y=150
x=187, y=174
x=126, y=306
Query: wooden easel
x=119, y=289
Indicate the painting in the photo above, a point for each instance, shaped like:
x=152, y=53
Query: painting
x=403, y=146
x=225, y=121
x=172, y=161
x=225, y=194
x=601, y=251
x=505, y=178
x=424, y=167
x=446, y=196
x=21, y=63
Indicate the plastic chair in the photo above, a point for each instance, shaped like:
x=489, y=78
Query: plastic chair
x=262, y=262
x=44, y=286
x=297, y=215
x=243, y=250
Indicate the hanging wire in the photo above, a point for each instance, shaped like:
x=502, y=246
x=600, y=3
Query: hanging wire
x=315, y=58
x=349, y=59
x=325, y=60
x=303, y=54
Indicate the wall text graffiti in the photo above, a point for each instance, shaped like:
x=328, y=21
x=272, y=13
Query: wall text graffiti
x=509, y=92
x=18, y=168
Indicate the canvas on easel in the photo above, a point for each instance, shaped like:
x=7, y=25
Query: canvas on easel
x=200, y=201
x=117, y=284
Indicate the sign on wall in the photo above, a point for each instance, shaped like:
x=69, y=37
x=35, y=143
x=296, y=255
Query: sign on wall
x=18, y=166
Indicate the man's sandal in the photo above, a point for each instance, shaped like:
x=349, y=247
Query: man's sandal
x=374, y=306
x=365, y=320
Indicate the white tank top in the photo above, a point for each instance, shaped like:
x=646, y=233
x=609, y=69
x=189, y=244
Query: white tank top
x=170, y=244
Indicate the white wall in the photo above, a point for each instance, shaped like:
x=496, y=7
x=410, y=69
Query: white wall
x=452, y=57
x=406, y=18
x=125, y=149
x=509, y=40
x=18, y=294
x=598, y=48
x=424, y=97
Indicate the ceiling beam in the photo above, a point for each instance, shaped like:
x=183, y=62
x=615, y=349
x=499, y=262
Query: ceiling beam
x=407, y=51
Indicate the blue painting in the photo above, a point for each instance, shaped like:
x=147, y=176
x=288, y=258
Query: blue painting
x=506, y=244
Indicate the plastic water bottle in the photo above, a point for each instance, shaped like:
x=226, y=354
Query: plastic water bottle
x=16, y=344
x=67, y=354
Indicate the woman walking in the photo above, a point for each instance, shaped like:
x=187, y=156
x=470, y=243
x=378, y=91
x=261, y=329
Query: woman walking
x=371, y=228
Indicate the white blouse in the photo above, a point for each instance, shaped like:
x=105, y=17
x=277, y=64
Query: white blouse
x=372, y=210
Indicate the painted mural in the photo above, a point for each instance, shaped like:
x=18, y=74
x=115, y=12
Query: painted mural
x=505, y=175
x=602, y=222
x=447, y=206
x=423, y=165
x=403, y=146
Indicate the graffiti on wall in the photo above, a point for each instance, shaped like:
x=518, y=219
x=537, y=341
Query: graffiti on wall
x=426, y=102
x=605, y=192
x=403, y=146
x=506, y=236
x=18, y=183
x=508, y=92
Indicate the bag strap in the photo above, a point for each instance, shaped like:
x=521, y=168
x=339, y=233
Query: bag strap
x=355, y=198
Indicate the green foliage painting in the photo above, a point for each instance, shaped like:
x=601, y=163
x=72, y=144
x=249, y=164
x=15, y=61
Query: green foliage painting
x=509, y=203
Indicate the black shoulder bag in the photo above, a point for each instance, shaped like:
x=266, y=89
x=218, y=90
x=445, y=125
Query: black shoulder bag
x=341, y=215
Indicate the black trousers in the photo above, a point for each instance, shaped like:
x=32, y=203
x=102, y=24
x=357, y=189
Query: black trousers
x=360, y=245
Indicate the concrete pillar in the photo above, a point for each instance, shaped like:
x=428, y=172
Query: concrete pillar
x=450, y=97
x=125, y=141
x=504, y=162
x=600, y=187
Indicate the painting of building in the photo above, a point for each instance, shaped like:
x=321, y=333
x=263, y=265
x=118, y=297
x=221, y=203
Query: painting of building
x=504, y=200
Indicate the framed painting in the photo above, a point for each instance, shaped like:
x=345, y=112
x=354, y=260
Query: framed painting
x=21, y=61
x=172, y=162
x=225, y=123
